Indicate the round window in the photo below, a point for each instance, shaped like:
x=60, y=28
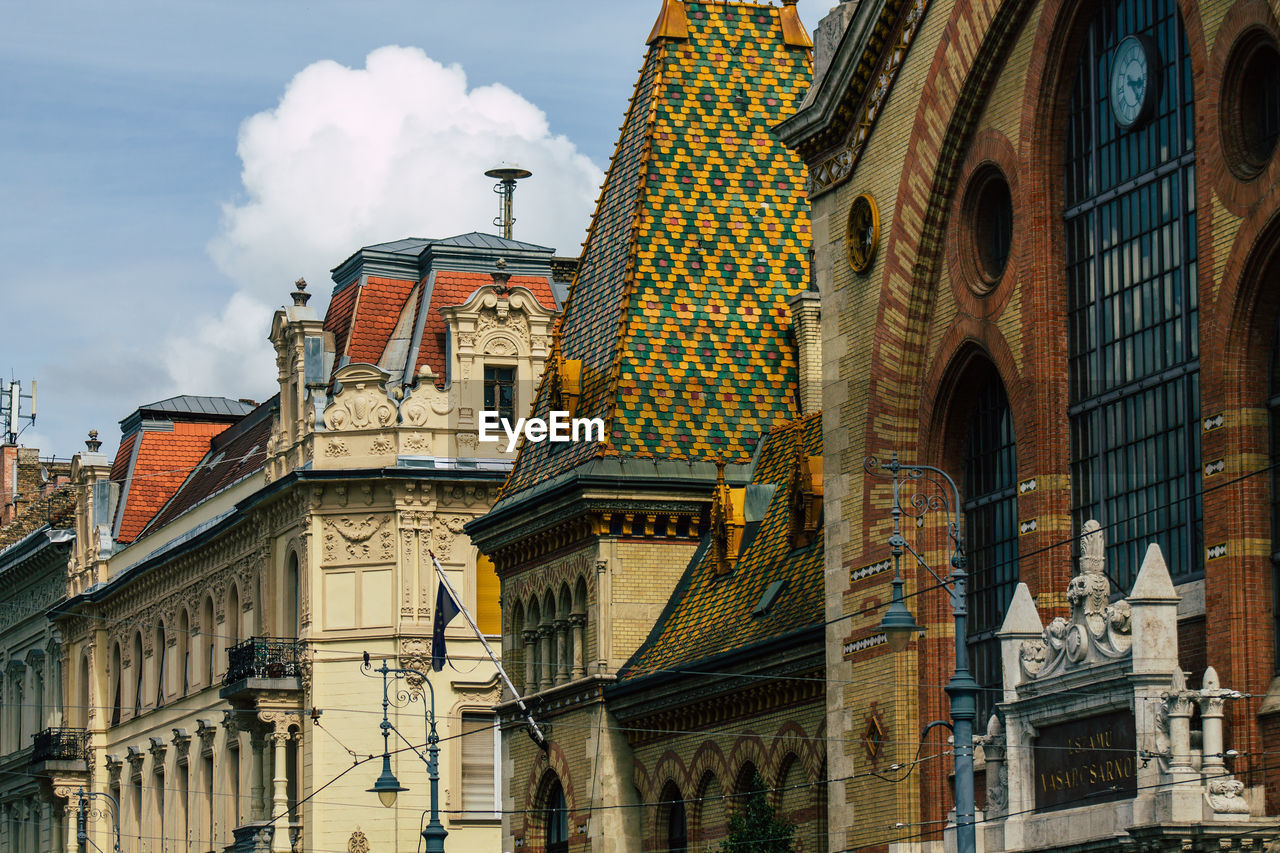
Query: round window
x=1251, y=104
x=989, y=209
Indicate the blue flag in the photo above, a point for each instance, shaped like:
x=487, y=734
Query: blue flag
x=446, y=609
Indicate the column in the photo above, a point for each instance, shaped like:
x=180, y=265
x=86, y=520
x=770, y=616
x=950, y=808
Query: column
x=562, y=650
x=1213, y=764
x=578, y=621
x=257, y=784
x=280, y=791
x=530, y=636
x=548, y=655
x=70, y=814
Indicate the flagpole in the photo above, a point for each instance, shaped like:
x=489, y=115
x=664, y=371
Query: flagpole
x=534, y=731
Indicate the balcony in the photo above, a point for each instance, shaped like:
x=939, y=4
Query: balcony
x=60, y=745
x=260, y=665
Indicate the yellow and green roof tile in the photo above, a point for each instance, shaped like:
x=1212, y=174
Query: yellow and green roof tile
x=678, y=310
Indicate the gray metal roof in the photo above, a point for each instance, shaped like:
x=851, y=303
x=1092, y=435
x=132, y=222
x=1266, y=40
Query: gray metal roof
x=477, y=240
x=407, y=246
x=192, y=406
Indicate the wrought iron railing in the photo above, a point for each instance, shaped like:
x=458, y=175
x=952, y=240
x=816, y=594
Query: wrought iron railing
x=60, y=745
x=262, y=657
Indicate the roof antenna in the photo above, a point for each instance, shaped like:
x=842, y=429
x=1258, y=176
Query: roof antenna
x=506, y=174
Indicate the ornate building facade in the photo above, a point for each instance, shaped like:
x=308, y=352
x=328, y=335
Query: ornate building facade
x=686, y=331
x=1044, y=238
x=217, y=653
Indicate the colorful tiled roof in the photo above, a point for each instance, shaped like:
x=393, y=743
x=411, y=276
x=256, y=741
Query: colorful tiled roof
x=156, y=464
x=235, y=454
x=711, y=614
x=678, y=310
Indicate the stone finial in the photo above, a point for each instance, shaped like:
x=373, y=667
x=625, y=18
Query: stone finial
x=501, y=276
x=92, y=442
x=1022, y=617
x=1153, y=583
x=1093, y=548
x=300, y=295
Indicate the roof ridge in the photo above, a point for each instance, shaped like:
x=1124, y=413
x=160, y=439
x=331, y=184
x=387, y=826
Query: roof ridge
x=662, y=50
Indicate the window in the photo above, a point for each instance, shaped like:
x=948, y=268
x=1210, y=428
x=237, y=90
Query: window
x=991, y=531
x=500, y=392
x=1273, y=405
x=162, y=653
x=138, y=679
x=1133, y=327
x=479, y=766
x=116, y=699
x=673, y=828
x=557, y=820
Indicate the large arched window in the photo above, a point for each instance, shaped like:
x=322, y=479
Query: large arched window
x=673, y=830
x=991, y=530
x=557, y=818
x=1131, y=282
x=1273, y=405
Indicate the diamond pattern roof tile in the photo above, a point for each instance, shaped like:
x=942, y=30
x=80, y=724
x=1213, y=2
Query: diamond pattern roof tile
x=701, y=234
x=711, y=614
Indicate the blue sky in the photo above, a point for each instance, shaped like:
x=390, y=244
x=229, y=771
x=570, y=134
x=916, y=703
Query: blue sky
x=148, y=228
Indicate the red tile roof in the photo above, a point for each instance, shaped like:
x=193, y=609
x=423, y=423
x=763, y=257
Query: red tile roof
x=381, y=301
x=235, y=454
x=164, y=460
x=363, y=315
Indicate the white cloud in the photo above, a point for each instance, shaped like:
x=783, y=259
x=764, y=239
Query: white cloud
x=354, y=156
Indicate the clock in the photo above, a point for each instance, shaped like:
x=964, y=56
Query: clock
x=1135, y=81
x=863, y=235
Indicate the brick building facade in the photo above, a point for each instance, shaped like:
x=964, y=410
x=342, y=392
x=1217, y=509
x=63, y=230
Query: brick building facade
x=1044, y=239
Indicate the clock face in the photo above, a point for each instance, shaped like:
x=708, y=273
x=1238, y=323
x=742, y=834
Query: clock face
x=1135, y=70
x=864, y=232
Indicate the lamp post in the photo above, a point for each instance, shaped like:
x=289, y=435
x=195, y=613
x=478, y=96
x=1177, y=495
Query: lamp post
x=899, y=624
x=387, y=786
x=83, y=795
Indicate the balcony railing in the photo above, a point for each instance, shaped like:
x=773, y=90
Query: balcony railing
x=262, y=657
x=60, y=745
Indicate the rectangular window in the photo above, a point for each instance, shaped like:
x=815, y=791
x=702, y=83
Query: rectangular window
x=500, y=391
x=479, y=766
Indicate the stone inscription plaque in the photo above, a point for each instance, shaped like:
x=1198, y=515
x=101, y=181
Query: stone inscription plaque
x=1087, y=761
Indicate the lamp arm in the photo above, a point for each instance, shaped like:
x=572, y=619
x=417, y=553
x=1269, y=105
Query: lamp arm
x=944, y=583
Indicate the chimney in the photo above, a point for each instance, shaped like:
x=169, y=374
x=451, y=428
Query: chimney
x=806, y=328
x=8, y=483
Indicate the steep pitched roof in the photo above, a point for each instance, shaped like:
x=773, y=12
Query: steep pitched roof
x=711, y=614
x=235, y=454
x=367, y=310
x=678, y=310
x=162, y=442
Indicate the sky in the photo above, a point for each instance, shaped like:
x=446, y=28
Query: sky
x=167, y=170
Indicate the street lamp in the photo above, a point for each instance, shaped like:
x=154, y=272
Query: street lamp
x=899, y=625
x=387, y=786
x=83, y=795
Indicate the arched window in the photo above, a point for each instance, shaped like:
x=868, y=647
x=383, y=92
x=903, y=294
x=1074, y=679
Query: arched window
x=1132, y=289
x=138, y=680
x=673, y=827
x=292, y=597
x=162, y=656
x=233, y=616
x=82, y=694
x=557, y=820
x=991, y=529
x=184, y=651
x=209, y=635
x=117, y=700
x=1273, y=404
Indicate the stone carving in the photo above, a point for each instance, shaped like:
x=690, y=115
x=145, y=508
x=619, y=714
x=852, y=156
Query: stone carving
x=363, y=402
x=367, y=539
x=499, y=345
x=1097, y=632
x=1225, y=796
x=336, y=447
x=357, y=843
x=415, y=653
x=416, y=442
x=501, y=316
x=381, y=445
x=466, y=444
x=446, y=531
x=424, y=404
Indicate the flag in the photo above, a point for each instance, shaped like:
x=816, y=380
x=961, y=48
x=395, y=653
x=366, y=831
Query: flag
x=446, y=609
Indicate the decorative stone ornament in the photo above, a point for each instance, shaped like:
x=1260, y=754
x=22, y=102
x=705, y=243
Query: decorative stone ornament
x=862, y=237
x=363, y=402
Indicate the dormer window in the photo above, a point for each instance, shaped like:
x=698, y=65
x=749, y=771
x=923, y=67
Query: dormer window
x=500, y=392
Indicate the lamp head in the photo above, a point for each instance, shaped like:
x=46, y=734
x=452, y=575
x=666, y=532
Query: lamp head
x=387, y=785
x=898, y=624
